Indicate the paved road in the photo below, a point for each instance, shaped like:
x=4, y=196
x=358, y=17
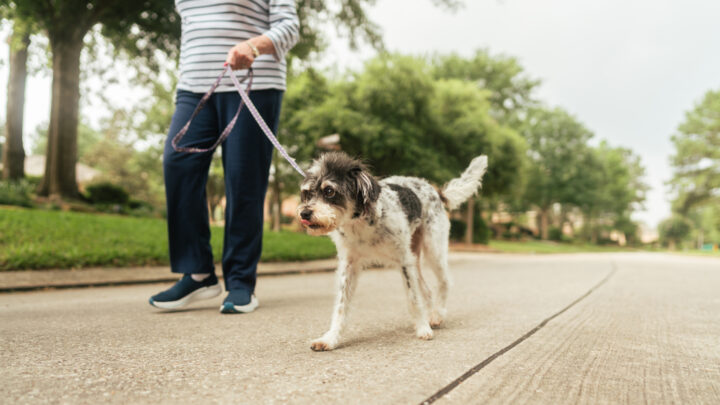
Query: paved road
x=620, y=328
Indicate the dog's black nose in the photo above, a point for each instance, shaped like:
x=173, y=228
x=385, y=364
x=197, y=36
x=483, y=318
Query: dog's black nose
x=306, y=214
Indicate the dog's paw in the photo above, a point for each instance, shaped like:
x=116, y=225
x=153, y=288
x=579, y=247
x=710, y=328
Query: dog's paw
x=322, y=345
x=424, y=332
x=436, y=321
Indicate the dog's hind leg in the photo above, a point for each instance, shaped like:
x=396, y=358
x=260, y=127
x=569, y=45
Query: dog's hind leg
x=435, y=247
x=347, y=273
x=416, y=247
x=417, y=304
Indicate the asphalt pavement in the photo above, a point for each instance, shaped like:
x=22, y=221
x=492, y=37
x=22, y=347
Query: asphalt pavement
x=582, y=328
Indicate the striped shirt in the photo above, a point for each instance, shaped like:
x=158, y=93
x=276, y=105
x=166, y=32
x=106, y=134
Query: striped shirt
x=210, y=28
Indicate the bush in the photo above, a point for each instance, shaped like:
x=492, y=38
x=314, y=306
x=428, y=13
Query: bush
x=481, y=231
x=107, y=193
x=16, y=192
x=555, y=233
x=457, y=229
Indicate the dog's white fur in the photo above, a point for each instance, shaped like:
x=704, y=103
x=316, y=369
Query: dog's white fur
x=398, y=221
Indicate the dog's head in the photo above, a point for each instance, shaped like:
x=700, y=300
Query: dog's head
x=337, y=189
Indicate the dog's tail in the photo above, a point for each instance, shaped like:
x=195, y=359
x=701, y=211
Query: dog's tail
x=458, y=190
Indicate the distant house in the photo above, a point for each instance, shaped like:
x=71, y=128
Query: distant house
x=35, y=167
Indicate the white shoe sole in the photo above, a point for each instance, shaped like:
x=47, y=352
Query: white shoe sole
x=203, y=293
x=231, y=309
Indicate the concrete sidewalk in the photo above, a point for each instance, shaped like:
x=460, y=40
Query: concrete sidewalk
x=551, y=329
x=28, y=280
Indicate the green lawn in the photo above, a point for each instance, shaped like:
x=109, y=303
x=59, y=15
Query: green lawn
x=37, y=239
x=552, y=247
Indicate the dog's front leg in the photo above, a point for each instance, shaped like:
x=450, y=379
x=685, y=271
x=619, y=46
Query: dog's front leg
x=346, y=280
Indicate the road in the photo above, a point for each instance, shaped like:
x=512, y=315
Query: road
x=585, y=328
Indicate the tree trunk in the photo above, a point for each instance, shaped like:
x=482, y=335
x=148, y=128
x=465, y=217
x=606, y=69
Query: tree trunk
x=14, y=154
x=61, y=156
x=470, y=221
x=544, y=224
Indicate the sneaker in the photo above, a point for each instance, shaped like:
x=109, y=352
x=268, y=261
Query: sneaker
x=239, y=301
x=186, y=291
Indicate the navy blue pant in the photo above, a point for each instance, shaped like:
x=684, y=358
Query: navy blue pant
x=246, y=156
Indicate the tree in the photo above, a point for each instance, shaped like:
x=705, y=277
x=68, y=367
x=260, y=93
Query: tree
x=674, y=230
x=401, y=120
x=610, y=189
x=139, y=26
x=509, y=86
x=13, y=154
x=558, y=152
x=696, y=162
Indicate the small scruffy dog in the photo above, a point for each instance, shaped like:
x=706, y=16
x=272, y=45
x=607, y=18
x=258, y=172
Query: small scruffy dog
x=390, y=222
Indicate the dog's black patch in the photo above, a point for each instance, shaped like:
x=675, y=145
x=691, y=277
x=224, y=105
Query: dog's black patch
x=409, y=200
x=405, y=276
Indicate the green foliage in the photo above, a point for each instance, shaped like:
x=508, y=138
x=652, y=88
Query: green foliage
x=141, y=27
x=696, y=161
x=34, y=239
x=696, y=178
x=114, y=148
x=605, y=183
x=481, y=230
x=401, y=120
x=16, y=192
x=107, y=193
x=510, y=88
x=674, y=230
x=457, y=229
x=555, y=233
x=558, y=151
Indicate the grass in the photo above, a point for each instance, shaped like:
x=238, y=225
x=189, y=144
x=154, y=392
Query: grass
x=37, y=239
x=535, y=246
x=698, y=252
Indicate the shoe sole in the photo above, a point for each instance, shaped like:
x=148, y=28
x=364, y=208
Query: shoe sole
x=229, y=308
x=202, y=293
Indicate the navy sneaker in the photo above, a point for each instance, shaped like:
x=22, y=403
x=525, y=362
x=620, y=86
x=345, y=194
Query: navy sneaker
x=186, y=291
x=239, y=301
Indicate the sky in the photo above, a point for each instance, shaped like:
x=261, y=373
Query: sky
x=627, y=69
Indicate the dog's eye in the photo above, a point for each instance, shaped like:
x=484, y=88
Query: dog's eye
x=329, y=192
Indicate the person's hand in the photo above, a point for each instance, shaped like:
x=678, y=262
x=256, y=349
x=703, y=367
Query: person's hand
x=240, y=56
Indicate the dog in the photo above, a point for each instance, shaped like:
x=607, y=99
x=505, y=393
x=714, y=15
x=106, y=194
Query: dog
x=396, y=222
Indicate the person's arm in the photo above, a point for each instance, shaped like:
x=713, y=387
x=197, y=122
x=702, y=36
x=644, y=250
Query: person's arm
x=278, y=40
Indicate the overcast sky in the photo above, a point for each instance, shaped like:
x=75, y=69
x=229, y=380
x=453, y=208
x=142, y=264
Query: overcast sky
x=627, y=69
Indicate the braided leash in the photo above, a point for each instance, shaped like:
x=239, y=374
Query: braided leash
x=245, y=100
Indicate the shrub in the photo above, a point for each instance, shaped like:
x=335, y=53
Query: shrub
x=16, y=192
x=481, y=231
x=555, y=233
x=457, y=229
x=107, y=193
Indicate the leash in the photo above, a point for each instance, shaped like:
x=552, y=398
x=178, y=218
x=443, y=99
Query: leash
x=245, y=101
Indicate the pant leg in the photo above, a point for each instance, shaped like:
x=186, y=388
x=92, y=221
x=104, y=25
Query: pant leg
x=185, y=180
x=246, y=159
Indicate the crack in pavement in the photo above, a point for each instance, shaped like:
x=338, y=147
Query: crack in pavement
x=452, y=385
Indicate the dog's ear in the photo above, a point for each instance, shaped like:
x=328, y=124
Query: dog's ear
x=367, y=190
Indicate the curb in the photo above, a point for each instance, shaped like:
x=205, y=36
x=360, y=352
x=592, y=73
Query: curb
x=34, y=280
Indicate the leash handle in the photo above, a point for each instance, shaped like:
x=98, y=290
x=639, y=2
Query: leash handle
x=261, y=122
x=192, y=149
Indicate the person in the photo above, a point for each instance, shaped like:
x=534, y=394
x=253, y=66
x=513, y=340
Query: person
x=243, y=33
